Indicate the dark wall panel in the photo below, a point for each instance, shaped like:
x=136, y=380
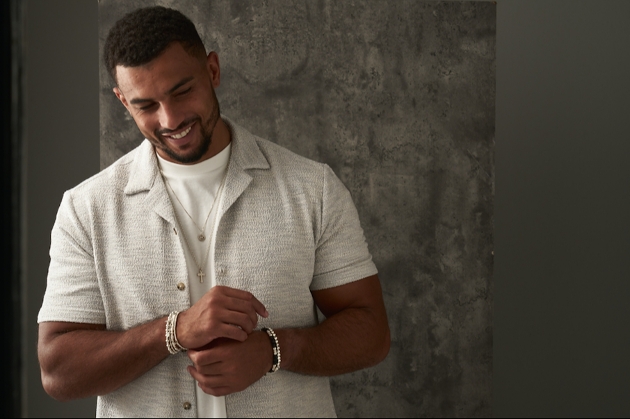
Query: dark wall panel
x=562, y=329
x=10, y=171
x=61, y=150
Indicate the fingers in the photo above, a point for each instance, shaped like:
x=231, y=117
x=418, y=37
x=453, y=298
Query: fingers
x=225, y=366
x=232, y=311
x=214, y=384
x=209, y=370
x=239, y=313
x=260, y=308
x=223, y=312
x=197, y=328
x=205, y=369
x=228, y=330
x=245, y=296
x=209, y=384
x=233, y=302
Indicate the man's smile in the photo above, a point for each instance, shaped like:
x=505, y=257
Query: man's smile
x=180, y=137
x=181, y=134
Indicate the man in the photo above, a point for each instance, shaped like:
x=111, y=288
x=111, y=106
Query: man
x=184, y=279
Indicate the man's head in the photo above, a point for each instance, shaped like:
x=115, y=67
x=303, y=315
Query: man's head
x=165, y=80
x=142, y=35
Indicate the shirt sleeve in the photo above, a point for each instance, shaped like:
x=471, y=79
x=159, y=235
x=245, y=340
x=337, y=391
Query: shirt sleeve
x=72, y=291
x=341, y=254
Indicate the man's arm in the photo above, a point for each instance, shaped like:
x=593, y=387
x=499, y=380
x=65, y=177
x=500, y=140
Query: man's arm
x=82, y=360
x=354, y=335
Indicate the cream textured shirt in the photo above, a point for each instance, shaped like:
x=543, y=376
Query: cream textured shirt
x=287, y=226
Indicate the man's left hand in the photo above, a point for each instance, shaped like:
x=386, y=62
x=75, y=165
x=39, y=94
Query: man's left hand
x=226, y=366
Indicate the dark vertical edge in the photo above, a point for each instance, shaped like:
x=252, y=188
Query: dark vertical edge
x=5, y=198
x=10, y=307
x=17, y=133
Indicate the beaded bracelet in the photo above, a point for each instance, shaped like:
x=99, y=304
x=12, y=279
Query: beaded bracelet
x=172, y=344
x=275, y=346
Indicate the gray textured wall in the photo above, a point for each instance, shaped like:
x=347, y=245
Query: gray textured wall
x=398, y=98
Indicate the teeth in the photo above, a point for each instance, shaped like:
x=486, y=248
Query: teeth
x=181, y=134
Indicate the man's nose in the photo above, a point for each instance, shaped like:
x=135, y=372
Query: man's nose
x=169, y=117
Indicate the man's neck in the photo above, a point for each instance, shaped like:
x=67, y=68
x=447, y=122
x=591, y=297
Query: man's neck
x=221, y=137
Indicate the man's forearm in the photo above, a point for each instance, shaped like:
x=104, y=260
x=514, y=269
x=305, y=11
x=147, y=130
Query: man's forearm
x=81, y=360
x=352, y=339
x=347, y=341
x=83, y=363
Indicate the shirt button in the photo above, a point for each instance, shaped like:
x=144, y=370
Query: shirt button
x=187, y=405
x=181, y=286
x=221, y=270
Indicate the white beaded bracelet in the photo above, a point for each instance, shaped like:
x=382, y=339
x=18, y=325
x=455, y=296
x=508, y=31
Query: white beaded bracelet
x=172, y=344
x=275, y=345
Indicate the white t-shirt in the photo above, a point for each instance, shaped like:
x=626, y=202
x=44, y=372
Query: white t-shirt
x=195, y=190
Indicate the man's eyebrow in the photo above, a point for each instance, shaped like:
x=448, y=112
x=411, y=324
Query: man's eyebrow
x=171, y=90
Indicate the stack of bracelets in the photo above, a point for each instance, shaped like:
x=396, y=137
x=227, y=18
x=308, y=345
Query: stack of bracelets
x=172, y=344
x=276, y=349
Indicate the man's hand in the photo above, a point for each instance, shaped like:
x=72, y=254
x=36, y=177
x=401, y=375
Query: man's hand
x=80, y=360
x=222, y=312
x=226, y=366
x=354, y=335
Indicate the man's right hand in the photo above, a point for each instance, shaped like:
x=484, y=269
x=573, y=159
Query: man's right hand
x=222, y=312
x=80, y=360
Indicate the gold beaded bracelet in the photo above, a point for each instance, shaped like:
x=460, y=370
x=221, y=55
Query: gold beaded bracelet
x=172, y=344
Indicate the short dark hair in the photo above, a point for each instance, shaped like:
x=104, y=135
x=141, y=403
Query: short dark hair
x=140, y=36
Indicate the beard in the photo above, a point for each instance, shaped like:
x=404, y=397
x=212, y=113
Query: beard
x=206, y=130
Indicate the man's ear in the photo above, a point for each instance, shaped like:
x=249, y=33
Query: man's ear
x=121, y=97
x=214, y=69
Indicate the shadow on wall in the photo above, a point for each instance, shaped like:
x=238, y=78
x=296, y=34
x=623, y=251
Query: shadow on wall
x=398, y=98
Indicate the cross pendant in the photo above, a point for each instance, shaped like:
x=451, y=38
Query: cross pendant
x=200, y=274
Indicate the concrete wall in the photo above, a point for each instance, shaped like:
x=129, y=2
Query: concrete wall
x=398, y=98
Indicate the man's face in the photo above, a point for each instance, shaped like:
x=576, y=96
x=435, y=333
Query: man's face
x=172, y=101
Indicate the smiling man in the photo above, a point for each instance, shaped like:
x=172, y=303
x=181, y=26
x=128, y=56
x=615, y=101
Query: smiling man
x=184, y=279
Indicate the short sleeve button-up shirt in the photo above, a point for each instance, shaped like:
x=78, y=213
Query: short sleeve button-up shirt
x=288, y=226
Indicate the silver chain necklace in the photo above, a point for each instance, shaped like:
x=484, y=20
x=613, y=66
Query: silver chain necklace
x=200, y=272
